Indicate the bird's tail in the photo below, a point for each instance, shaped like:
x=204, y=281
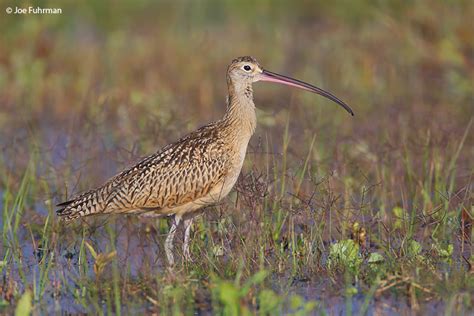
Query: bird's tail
x=86, y=204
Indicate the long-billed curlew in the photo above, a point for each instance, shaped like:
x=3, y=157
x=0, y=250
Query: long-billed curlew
x=196, y=171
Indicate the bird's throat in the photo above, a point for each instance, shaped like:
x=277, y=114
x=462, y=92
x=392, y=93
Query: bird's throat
x=240, y=112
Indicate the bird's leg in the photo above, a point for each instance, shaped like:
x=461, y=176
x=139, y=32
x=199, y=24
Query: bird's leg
x=187, y=232
x=169, y=239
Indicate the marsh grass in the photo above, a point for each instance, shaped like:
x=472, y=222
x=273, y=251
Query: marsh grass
x=331, y=214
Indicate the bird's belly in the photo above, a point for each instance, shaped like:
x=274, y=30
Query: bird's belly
x=217, y=193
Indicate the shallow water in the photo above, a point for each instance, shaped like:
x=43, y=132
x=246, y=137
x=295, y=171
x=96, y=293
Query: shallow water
x=140, y=256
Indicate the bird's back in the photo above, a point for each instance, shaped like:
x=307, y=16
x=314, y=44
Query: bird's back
x=166, y=182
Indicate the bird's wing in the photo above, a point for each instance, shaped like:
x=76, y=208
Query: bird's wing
x=165, y=185
x=178, y=174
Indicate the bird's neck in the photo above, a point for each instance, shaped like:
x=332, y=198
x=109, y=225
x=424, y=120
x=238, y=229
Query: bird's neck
x=240, y=114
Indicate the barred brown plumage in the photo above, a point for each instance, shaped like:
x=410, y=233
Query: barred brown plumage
x=198, y=170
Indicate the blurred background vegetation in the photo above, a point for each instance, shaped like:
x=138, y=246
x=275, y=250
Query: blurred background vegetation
x=85, y=93
x=124, y=64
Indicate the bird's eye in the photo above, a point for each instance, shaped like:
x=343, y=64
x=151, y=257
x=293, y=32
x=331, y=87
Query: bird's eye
x=247, y=68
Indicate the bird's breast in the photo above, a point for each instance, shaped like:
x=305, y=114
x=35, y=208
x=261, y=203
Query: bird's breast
x=239, y=152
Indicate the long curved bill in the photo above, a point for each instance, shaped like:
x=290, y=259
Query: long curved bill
x=274, y=77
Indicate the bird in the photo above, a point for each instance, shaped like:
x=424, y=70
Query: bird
x=196, y=171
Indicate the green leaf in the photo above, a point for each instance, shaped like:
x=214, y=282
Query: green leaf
x=257, y=278
x=218, y=251
x=24, y=304
x=444, y=253
x=375, y=257
x=351, y=290
x=91, y=249
x=309, y=306
x=296, y=301
x=414, y=248
x=400, y=215
x=345, y=253
x=269, y=302
x=229, y=296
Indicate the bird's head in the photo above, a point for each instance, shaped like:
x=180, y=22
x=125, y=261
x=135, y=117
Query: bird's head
x=243, y=71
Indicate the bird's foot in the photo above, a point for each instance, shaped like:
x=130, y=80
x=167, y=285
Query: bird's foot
x=170, y=257
x=187, y=256
x=169, y=241
x=187, y=233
